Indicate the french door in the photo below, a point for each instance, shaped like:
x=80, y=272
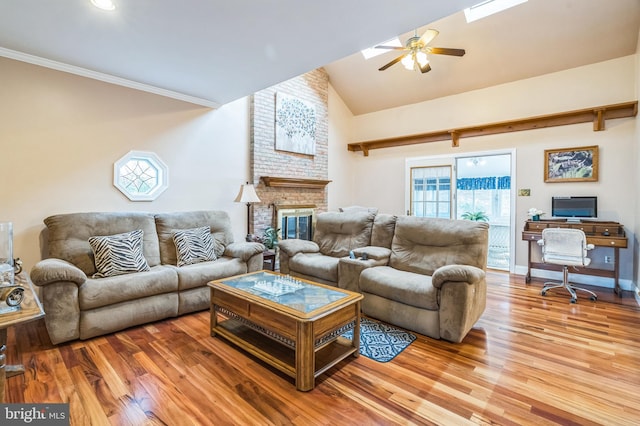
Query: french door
x=470, y=186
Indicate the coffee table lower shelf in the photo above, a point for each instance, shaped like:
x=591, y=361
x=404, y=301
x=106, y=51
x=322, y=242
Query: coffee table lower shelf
x=279, y=355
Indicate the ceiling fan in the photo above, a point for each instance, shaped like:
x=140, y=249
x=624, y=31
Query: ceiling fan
x=416, y=50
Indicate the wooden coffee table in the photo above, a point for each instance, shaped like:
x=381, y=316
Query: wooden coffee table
x=291, y=324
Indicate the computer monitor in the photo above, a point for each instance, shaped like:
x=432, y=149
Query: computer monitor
x=574, y=208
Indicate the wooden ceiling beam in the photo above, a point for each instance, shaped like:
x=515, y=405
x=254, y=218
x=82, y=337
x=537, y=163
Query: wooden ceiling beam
x=597, y=115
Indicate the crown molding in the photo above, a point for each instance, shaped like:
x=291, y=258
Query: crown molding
x=107, y=78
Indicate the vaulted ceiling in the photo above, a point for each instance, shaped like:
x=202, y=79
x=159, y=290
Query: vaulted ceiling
x=211, y=52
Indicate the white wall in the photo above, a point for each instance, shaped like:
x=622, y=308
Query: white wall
x=60, y=135
x=380, y=175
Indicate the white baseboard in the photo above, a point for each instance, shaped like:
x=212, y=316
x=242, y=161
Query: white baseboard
x=625, y=284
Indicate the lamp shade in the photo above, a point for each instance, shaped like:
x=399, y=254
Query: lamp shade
x=247, y=194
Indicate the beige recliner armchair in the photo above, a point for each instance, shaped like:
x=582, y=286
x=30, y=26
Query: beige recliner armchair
x=434, y=282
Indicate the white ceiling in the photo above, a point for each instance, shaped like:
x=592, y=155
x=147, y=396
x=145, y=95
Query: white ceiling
x=211, y=52
x=204, y=51
x=531, y=39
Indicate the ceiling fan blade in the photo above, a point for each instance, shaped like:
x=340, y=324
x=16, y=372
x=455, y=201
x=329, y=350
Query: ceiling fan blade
x=395, y=61
x=428, y=36
x=389, y=47
x=426, y=68
x=446, y=51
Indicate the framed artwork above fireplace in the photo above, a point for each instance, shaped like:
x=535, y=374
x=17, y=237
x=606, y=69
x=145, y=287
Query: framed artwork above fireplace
x=295, y=125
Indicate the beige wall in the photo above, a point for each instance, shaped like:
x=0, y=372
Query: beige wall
x=380, y=174
x=636, y=177
x=60, y=135
x=343, y=181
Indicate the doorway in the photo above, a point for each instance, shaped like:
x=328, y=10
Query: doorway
x=474, y=186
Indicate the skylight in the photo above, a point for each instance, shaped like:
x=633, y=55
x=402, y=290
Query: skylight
x=372, y=52
x=489, y=7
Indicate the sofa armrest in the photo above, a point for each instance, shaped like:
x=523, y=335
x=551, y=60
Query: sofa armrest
x=375, y=253
x=60, y=282
x=462, y=298
x=457, y=273
x=243, y=250
x=293, y=246
x=49, y=271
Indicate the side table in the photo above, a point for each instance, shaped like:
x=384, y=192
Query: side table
x=30, y=310
x=269, y=261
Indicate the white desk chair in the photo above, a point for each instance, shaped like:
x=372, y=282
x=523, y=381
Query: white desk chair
x=566, y=247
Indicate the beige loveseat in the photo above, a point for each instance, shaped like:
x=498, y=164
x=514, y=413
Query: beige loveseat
x=79, y=306
x=422, y=274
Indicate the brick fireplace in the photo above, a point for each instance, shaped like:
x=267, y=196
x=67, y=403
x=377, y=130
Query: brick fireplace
x=287, y=182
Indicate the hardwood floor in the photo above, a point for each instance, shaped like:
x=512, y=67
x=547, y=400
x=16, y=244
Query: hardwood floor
x=529, y=360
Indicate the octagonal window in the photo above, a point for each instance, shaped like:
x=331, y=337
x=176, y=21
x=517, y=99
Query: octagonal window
x=140, y=176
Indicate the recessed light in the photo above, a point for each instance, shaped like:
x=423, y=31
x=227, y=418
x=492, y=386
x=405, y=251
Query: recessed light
x=104, y=4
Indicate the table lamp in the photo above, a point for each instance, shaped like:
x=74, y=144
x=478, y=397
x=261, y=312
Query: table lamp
x=248, y=196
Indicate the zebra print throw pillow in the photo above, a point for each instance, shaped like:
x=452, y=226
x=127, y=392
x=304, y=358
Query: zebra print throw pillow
x=194, y=245
x=118, y=254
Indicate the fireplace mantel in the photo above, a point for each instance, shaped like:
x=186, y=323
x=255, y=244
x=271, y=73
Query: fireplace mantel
x=284, y=182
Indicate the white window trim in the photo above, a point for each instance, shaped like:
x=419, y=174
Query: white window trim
x=150, y=157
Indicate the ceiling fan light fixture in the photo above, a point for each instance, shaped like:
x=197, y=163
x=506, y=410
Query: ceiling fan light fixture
x=408, y=62
x=422, y=59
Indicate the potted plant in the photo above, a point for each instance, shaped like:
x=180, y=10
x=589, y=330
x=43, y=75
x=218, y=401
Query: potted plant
x=270, y=238
x=478, y=216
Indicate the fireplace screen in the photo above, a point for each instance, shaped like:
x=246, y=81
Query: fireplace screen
x=296, y=223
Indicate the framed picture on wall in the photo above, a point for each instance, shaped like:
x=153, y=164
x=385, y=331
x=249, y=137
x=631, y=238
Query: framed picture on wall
x=295, y=125
x=571, y=164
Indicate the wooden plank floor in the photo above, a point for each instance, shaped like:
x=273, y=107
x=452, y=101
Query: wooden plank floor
x=529, y=360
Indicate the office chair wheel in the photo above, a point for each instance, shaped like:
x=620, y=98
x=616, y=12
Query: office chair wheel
x=574, y=300
x=543, y=292
x=593, y=298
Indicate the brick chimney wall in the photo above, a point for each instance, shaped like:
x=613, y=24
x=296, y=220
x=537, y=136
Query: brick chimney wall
x=265, y=160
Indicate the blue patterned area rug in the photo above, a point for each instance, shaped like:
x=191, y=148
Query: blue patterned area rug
x=381, y=342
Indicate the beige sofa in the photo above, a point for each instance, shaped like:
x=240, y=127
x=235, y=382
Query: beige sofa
x=422, y=274
x=78, y=306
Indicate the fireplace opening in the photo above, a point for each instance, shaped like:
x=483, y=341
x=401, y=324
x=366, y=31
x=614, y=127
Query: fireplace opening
x=296, y=222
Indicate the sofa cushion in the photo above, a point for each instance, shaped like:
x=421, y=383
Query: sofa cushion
x=167, y=223
x=315, y=265
x=68, y=235
x=384, y=226
x=422, y=245
x=338, y=233
x=194, y=245
x=118, y=254
x=405, y=287
x=199, y=274
x=98, y=292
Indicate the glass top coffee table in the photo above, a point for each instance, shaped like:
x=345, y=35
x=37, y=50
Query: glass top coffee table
x=292, y=324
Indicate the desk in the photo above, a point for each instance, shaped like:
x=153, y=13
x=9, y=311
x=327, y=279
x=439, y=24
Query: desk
x=30, y=310
x=595, y=232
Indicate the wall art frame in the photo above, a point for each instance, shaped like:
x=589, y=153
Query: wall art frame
x=578, y=164
x=295, y=125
